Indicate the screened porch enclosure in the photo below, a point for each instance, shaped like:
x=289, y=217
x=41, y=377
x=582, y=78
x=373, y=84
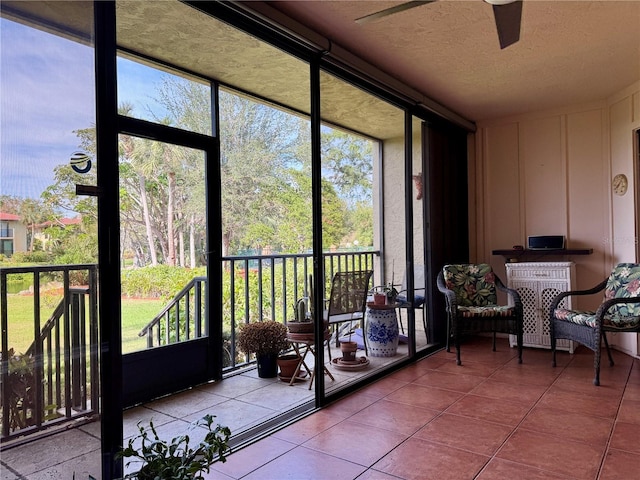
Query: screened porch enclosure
x=240, y=175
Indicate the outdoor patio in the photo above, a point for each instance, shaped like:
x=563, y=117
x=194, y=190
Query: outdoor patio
x=240, y=402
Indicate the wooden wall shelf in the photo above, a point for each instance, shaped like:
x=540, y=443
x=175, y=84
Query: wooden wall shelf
x=513, y=253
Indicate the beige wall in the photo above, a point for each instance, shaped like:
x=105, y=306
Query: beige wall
x=394, y=227
x=394, y=205
x=549, y=173
x=19, y=236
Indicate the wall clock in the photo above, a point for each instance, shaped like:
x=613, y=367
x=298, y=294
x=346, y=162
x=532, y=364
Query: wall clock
x=620, y=184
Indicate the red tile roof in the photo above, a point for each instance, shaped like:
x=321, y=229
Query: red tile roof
x=61, y=222
x=9, y=216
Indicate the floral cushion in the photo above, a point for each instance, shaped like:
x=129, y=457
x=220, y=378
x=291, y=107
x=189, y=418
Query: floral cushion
x=576, y=316
x=474, y=285
x=488, y=311
x=624, y=282
x=589, y=318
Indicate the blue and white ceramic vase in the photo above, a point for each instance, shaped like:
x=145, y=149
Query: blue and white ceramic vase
x=382, y=332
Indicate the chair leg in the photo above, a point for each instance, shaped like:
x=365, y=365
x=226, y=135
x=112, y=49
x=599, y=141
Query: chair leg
x=606, y=343
x=423, y=312
x=456, y=342
x=364, y=338
x=553, y=345
x=596, y=363
x=494, y=341
x=448, y=333
x=339, y=329
x=520, y=342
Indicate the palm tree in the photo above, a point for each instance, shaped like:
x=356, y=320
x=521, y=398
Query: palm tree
x=31, y=213
x=128, y=145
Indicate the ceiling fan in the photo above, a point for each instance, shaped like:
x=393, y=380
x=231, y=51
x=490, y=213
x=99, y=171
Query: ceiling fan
x=507, y=14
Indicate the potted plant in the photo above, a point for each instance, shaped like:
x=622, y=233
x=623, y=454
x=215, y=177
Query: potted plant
x=348, y=350
x=266, y=340
x=20, y=390
x=175, y=459
x=303, y=322
x=391, y=293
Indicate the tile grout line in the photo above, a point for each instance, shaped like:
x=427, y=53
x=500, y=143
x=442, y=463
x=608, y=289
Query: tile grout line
x=613, y=424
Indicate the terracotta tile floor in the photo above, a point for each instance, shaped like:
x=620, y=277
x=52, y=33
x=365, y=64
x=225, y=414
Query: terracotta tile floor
x=490, y=418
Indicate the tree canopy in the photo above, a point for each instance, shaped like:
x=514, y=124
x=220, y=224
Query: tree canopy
x=265, y=190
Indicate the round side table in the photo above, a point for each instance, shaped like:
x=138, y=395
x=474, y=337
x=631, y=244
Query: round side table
x=381, y=330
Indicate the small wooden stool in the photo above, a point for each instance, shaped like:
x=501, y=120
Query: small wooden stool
x=307, y=340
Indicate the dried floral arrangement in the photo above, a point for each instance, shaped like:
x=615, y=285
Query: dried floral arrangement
x=263, y=338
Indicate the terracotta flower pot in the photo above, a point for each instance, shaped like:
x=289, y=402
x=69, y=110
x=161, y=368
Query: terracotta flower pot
x=349, y=351
x=288, y=364
x=379, y=298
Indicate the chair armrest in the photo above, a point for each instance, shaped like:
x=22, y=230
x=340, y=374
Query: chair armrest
x=517, y=301
x=607, y=304
x=450, y=295
x=558, y=298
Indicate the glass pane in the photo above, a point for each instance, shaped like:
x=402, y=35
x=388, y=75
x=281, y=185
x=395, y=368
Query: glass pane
x=266, y=214
x=265, y=192
x=48, y=242
x=157, y=95
x=163, y=243
x=420, y=275
x=363, y=211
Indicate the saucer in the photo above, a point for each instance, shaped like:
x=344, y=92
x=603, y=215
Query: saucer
x=359, y=364
x=301, y=377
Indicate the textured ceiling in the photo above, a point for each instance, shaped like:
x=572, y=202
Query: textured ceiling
x=178, y=35
x=570, y=52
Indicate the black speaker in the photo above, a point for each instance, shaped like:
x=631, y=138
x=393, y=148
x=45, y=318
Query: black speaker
x=545, y=242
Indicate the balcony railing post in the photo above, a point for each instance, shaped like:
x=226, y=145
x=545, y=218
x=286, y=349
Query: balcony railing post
x=37, y=353
x=4, y=364
x=93, y=337
x=197, y=300
x=76, y=351
x=66, y=345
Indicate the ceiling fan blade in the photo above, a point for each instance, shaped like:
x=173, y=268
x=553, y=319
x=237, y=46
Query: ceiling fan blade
x=390, y=11
x=508, y=17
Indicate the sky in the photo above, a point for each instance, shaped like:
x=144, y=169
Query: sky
x=46, y=92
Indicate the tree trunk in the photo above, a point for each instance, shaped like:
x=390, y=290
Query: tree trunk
x=192, y=241
x=33, y=236
x=147, y=220
x=171, y=236
x=181, y=244
x=225, y=244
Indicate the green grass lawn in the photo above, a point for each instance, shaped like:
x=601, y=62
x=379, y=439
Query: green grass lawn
x=135, y=315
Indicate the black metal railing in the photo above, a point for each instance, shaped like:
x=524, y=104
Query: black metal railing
x=55, y=378
x=253, y=287
x=182, y=319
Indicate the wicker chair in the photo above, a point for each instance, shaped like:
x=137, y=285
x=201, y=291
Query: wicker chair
x=619, y=312
x=471, y=297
